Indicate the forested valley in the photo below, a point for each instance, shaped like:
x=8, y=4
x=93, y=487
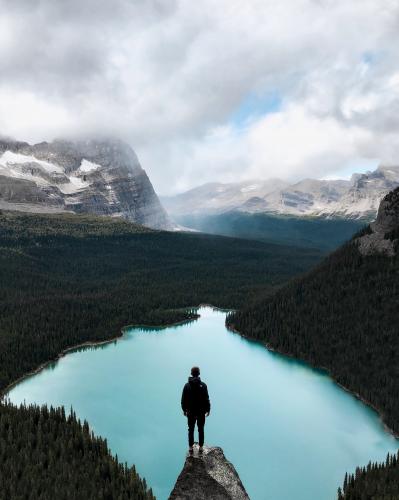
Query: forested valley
x=323, y=233
x=68, y=279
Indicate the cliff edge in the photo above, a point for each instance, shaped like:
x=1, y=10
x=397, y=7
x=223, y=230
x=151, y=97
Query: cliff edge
x=383, y=234
x=208, y=475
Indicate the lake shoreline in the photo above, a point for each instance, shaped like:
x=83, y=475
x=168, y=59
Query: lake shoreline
x=123, y=330
x=115, y=388
x=91, y=343
x=327, y=372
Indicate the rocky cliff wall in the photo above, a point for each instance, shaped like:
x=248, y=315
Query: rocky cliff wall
x=97, y=176
x=383, y=234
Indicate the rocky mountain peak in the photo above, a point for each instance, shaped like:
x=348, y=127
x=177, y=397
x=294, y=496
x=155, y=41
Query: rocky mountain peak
x=357, y=198
x=383, y=233
x=101, y=176
x=107, y=152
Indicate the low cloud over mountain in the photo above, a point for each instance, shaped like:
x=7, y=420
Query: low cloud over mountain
x=224, y=90
x=96, y=176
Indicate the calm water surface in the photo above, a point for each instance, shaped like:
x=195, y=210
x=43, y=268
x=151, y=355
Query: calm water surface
x=289, y=430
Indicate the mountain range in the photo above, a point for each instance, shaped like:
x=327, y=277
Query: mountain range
x=96, y=176
x=357, y=198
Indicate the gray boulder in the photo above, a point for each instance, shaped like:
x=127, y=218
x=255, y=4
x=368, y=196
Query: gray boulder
x=208, y=475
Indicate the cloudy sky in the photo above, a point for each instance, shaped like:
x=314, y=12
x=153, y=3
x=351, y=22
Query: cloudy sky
x=215, y=90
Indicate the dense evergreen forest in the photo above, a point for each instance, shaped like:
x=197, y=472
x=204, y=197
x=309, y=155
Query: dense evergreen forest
x=311, y=232
x=342, y=316
x=374, y=482
x=49, y=455
x=68, y=279
x=64, y=281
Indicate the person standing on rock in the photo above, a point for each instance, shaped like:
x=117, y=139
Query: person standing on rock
x=195, y=405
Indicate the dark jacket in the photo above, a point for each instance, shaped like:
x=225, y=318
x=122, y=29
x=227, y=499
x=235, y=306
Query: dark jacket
x=195, y=398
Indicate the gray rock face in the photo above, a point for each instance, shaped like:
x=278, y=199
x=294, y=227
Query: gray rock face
x=356, y=198
x=384, y=232
x=101, y=177
x=217, y=197
x=208, y=476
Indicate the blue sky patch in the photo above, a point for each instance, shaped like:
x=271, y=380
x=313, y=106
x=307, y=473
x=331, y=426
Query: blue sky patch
x=254, y=106
x=356, y=166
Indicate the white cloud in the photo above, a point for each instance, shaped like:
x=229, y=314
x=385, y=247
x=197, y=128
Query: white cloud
x=311, y=145
x=168, y=74
x=290, y=144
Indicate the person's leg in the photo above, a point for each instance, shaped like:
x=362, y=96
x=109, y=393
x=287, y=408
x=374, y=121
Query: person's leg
x=201, y=424
x=191, y=425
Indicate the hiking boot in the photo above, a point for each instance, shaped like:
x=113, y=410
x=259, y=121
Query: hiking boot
x=200, y=449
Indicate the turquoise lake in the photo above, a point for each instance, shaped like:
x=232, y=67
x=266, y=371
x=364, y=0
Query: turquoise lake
x=290, y=431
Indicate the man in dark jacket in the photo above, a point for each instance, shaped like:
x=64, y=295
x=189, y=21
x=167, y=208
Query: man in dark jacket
x=195, y=405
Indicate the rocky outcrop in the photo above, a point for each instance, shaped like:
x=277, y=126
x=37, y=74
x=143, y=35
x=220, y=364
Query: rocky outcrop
x=383, y=234
x=97, y=176
x=208, y=475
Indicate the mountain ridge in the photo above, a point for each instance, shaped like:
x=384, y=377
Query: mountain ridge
x=95, y=176
x=357, y=198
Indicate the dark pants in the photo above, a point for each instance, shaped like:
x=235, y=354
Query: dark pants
x=192, y=419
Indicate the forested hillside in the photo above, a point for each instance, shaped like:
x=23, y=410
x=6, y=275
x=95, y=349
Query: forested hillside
x=311, y=232
x=374, y=482
x=70, y=279
x=24, y=227
x=343, y=316
x=49, y=455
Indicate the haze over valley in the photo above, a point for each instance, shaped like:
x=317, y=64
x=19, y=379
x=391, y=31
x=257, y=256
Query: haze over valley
x=103, y=176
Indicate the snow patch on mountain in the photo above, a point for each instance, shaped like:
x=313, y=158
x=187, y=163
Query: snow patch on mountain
x=357, y=198
x=74, y=185
x=43, y=173
x=8, y=158
x=248, y=189
x=102, y=177
x=88, y=166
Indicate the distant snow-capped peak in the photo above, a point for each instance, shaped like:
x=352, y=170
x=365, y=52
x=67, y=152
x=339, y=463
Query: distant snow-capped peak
x=358, y=197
